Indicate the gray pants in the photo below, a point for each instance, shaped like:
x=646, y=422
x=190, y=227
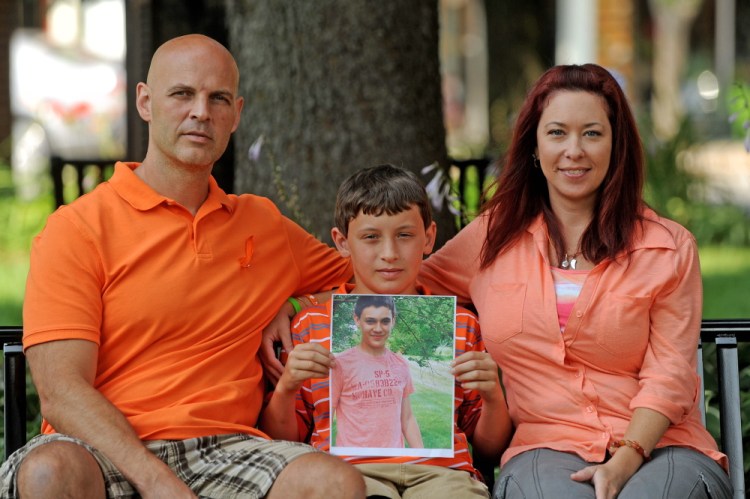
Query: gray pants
x=674, y=472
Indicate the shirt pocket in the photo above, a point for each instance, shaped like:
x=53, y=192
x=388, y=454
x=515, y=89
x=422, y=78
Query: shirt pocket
x=623, y=325
x=501, y=317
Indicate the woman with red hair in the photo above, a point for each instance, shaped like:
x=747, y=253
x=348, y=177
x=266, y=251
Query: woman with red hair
x=589, y=302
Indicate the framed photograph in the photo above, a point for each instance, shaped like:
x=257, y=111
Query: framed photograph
x=391, y=388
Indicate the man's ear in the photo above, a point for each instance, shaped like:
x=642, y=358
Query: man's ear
x=143, y=101
x=239, y=103
x=341, y=242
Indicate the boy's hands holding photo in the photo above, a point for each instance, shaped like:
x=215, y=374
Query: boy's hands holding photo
x=305, y=361
x=478, y=371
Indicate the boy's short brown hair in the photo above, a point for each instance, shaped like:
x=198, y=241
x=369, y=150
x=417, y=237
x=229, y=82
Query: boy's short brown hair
x=377, y=190
x=377, y=301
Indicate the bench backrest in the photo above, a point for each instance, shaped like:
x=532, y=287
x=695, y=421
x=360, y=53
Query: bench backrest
x=14, y=382
x=726, y=334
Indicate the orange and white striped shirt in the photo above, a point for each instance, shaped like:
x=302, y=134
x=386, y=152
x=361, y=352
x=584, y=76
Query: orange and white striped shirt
x=313, y=416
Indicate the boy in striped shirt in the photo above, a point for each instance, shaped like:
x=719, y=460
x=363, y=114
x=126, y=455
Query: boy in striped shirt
x=384, y=224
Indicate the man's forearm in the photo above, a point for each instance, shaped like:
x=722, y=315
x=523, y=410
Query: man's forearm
x=64, y=372
x=278, y=419
x=82, y=412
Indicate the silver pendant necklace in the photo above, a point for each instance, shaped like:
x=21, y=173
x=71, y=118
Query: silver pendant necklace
x=569, y=261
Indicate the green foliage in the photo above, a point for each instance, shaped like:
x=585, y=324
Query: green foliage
x=346, y=332
x=424, y=326
x=20, y=221
x=445, y=190
x=670, y=190
x=739, y=106
x=472, y=193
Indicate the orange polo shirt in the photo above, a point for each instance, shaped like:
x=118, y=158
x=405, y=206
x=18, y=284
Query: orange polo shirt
x=175, y=302
x=631, y=339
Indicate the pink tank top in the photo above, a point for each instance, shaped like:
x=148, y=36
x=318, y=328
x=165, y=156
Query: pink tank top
x=568, y=285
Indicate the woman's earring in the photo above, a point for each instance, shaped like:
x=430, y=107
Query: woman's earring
x=537, y=163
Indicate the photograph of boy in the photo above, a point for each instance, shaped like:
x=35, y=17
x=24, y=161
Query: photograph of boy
x=384, y=224
x=372, y=386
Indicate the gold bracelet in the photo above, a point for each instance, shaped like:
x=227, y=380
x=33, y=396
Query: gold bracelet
x=632, y=444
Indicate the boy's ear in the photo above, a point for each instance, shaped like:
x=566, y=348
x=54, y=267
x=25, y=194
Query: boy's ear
x=430, y=235
x=341, y=242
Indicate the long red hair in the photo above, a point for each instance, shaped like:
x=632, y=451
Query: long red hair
x=521, y=189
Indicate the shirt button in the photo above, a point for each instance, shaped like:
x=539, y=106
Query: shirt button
x=604, y=435
x=579, y=314
x=590, y=409
x=578, y=374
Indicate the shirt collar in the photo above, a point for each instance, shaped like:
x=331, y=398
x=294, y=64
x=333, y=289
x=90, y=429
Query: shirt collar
x=142, y=197
x=653, y=232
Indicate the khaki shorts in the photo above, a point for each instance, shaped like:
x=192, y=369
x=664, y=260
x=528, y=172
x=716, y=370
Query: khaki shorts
x=223, y=466
x=416, y=481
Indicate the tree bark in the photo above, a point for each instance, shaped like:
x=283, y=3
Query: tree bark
x=333, y=87
x=521, y=46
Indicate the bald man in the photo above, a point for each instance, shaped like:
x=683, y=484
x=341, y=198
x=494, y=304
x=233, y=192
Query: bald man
x=143, y=314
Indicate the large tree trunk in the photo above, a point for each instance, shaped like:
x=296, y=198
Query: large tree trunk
x=334, y=86
x=521, y=46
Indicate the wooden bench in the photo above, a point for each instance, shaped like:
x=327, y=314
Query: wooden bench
x=725, y=333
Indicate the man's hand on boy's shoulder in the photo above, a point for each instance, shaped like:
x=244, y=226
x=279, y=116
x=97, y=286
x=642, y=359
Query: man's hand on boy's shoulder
x=478, y=371
x=279, y=330
x=305, y=361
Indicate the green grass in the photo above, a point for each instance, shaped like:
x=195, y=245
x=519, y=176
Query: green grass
x=13, y=271
x=20, y=221
x=726, y=282
x=433, y=410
